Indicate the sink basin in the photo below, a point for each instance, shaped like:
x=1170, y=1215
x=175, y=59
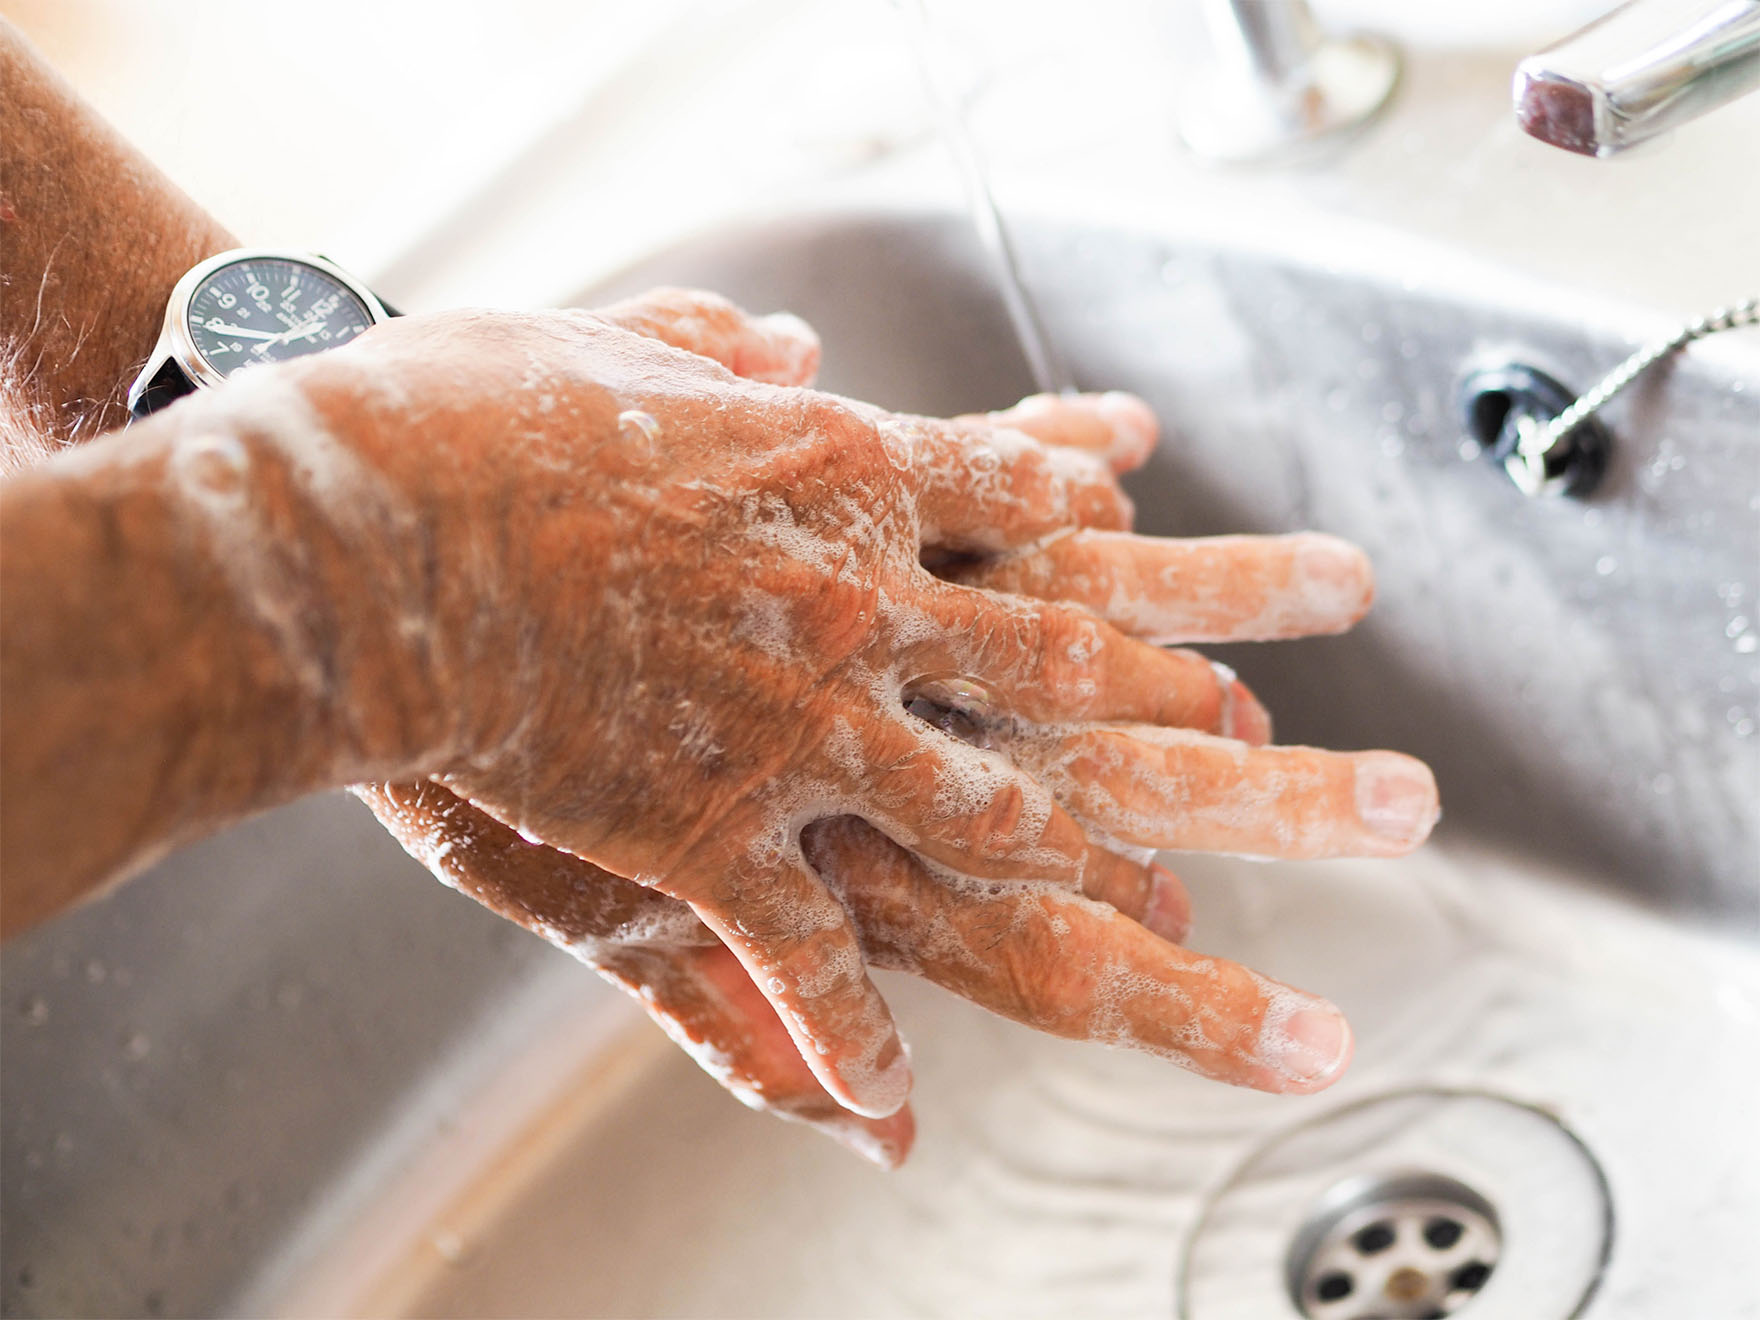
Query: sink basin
x=378, y=1099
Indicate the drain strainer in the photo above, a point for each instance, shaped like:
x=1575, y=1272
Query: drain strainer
x=1409, y=1246
x=1413, y=1204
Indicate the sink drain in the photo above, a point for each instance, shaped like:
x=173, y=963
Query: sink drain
x=1415, y=1203
x=1408, y=1246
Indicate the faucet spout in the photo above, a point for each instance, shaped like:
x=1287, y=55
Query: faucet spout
x=1643, y=69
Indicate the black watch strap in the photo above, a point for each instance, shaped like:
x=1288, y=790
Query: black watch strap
x=167, y=386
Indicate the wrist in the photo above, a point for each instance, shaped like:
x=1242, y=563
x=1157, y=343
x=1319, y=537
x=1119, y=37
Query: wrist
x=297, y=574
x=332, y=562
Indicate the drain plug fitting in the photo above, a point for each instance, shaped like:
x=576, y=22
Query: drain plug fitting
x=1404, y=1246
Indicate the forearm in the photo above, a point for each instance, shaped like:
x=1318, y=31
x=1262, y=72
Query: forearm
x=197, y=621
x=92, y=239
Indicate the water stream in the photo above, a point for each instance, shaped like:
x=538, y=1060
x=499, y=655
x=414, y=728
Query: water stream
x=1050, y=373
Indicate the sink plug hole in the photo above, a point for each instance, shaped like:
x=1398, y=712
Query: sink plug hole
x=1501, y=406
x=1332, y=1287
x=1405, y=1246
x=1442, y=1233
x=1374, y=1239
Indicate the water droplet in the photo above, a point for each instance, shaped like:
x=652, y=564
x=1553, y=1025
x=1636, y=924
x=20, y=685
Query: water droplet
x=1468, y=450
x=96, y=972
x=136, y=1047
x=1747, y=644
x=1392, y=444
x=639, y=431
x=35, y=1010
x=450, y=1246
x=1605, y=565
x=1736, y=626
x=1393, y=411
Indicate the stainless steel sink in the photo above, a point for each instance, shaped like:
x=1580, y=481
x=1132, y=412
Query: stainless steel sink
x=286, y=1073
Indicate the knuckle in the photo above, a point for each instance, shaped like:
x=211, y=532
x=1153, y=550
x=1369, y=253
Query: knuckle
x=995, y=830
x=1069, y=645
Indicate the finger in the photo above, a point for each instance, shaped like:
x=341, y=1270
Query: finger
x=1214, y=589
x=780, y=349
x=650, y=945
x=1170, y=788
x=1135, y=886
x=797, y=945
x=1053, y=663
x=1074, y=968
x=567, y=900
x=704, y=1000
x=1116, y=427
x=984, y=489
x=1146, y=892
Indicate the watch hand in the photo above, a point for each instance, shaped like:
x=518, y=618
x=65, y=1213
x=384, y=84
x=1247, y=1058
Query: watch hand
x=304, y=330
x=221, y=328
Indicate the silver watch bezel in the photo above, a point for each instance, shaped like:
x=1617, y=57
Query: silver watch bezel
x=177, y=343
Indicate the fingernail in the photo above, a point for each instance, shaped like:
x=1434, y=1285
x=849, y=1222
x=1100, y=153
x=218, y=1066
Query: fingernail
x=878, y=1151
x=1396, y=798
x=1252, y=722
x=1169, y=910
x=796, y=345
x=1334, y=580
x=1029, y=407
x=1241, y=716
x=1314, y=1046
x=1134, y=428
x=877, y=1089
x=885, y=1144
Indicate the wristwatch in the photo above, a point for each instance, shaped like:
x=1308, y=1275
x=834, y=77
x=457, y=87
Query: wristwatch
x=245, y=307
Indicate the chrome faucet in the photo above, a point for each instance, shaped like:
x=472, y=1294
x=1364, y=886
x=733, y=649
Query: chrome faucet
x=1641, y=70
x=1277, y=82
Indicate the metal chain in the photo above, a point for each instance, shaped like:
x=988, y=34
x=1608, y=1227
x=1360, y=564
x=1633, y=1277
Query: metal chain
x=1538, y=438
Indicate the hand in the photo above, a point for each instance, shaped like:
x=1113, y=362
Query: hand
x=1274, y=587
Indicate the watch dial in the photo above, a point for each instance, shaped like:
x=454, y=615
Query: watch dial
x=268, y=309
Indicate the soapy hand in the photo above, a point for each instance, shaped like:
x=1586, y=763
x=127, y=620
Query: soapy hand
x=1121, y=731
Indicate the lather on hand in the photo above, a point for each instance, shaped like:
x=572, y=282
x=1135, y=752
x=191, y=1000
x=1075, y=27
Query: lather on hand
x=1041, y=953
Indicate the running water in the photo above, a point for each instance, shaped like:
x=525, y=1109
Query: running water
x=1050, y=374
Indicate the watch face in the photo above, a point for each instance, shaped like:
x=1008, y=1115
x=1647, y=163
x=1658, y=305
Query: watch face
x=268, y=309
